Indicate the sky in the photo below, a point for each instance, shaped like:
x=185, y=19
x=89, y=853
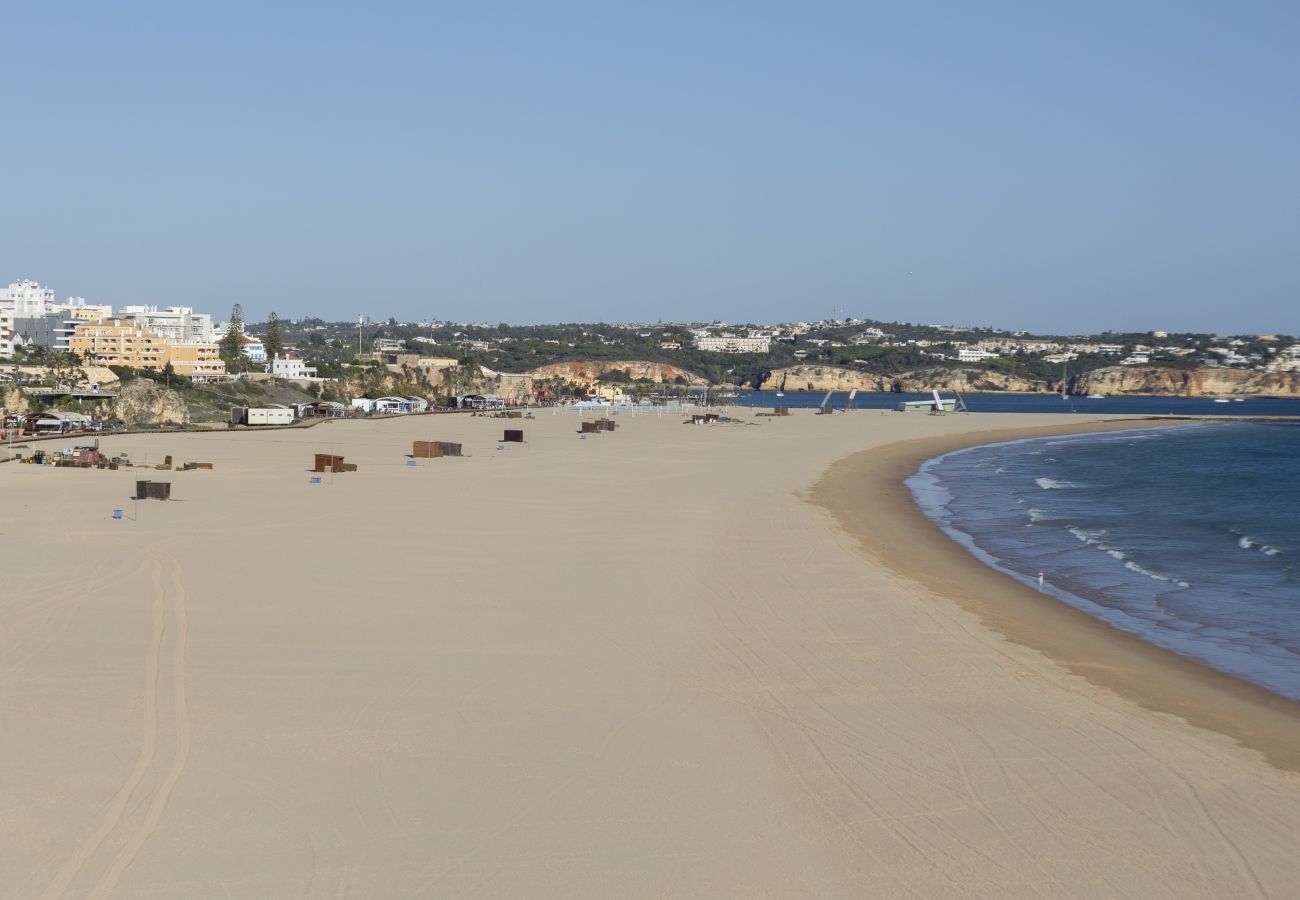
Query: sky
x=1059, y=167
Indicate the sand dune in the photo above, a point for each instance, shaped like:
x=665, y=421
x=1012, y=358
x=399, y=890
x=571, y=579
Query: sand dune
x=636, y=665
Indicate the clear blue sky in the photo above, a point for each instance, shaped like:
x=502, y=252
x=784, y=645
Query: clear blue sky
x=1057, y=166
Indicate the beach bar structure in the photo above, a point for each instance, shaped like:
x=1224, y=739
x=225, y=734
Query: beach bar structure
x=261, y=415
x=944, y=405
x=327, y=462
x=434, y=449
x=153, y=490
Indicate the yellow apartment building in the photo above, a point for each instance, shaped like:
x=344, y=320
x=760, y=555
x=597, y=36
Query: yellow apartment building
x=118, y=342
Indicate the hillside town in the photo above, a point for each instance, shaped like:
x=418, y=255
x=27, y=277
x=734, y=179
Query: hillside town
x=55, y=354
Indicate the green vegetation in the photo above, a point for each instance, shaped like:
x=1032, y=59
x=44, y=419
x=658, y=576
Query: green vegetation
x=274, y=340
x=332, y=347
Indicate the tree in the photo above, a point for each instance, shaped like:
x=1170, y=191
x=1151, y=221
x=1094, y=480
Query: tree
x=65, y=370
x=274, y=341
x=232, y=345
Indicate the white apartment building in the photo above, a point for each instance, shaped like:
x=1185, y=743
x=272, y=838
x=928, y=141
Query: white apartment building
x=26, y=299
x=973, y=354
x=733, y=344
x=290, y=367
x=178, y=324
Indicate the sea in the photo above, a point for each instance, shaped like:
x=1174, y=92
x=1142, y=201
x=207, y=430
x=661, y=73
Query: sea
x=1186, y=536
x=1036, y=403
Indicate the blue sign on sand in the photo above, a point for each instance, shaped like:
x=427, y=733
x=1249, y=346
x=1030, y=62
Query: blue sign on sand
x=410, y=462
x=315, y=479
x=117, y=514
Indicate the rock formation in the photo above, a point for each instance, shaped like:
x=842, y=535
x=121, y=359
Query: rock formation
x=1112, y=380
x=589, y=370
x=145, y=402
x=834, y=378
x=1199, y=382
x=13, y=400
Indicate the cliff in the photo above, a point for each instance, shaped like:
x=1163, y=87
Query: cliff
x=1112, y=380
x=145, y=402
x=1201, y=382
x=12, y=399
x=832, y=378
x=590, y=370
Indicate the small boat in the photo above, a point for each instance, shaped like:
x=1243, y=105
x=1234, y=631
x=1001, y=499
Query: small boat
x=1096, y=396
x=1222, y=400
x=780, y=394
x=1237, y=400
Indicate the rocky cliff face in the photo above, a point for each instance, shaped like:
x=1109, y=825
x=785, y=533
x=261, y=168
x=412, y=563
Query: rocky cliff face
x=1113, y=380
x=832, y=378
x=12, y=399
x=145, y=402
x=659, y=373
x=1202, y=382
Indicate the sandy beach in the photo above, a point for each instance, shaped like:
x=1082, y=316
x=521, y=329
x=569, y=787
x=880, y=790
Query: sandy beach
x=668, y=661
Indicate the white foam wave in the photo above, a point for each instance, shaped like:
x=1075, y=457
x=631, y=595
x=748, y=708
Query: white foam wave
x=1246, y=542
x=1088, y=537
x=1051, y=484
x=1037, y=515
x=1134, y=567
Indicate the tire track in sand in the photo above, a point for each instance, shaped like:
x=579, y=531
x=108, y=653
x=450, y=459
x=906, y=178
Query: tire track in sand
x=116, y=810
x=181, y=715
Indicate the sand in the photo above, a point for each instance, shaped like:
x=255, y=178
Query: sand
x=642, y=664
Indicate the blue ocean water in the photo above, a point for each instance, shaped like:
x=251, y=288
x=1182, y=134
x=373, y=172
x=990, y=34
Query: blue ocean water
x=1050, y=403
x=1187, y=536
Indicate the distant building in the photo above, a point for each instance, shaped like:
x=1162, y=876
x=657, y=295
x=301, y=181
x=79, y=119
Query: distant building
x=389, y=345
x=972, y=354
x=122, y=342
x=290, y=367
x=52, y=331
x=26, y=299
x=179, y=324
x=6, y=333
x=253, y=348
x=78, y=308
x=732, y=344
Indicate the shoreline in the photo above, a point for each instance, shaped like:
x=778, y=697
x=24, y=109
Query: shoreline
x=866, y=495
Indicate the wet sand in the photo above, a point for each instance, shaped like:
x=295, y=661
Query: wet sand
x=867, y=495
x=635, y=665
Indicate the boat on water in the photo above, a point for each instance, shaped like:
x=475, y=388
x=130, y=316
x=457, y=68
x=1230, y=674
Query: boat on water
x=1096, y=396
x=1222, y=400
